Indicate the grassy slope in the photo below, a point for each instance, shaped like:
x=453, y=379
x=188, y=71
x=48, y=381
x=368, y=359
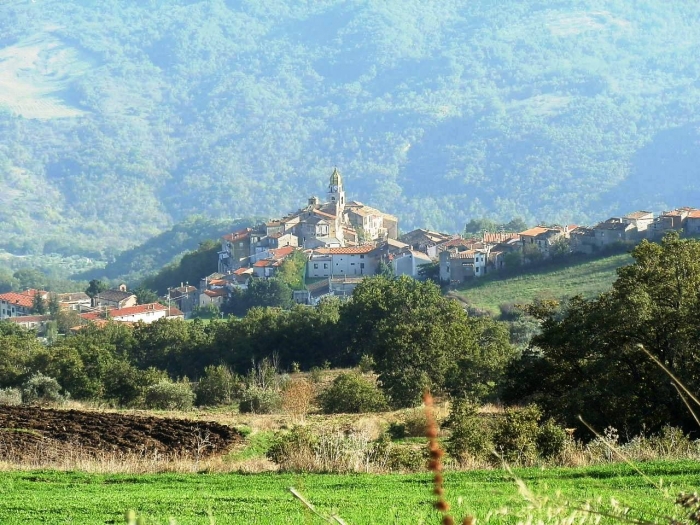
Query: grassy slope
x=587, y=278
x=55, y=497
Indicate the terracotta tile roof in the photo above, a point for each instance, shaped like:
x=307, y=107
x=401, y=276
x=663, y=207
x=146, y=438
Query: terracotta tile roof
x=114, y=295
x=638, y=215
x=73, y=296
x=217, y=282
x=243, y=271
x=534, y=232
x=91, y=316
x=348, y=250
x=214, y=293
x=263, y=263
x=134, y=310
x=496, y=237
x=175, y=312
x=324, y=214
x=238, y=236
x=282, y=252
x=19, y=299
x=695, y=214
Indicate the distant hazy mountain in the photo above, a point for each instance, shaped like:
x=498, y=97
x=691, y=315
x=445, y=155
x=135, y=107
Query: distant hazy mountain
x=118, y=118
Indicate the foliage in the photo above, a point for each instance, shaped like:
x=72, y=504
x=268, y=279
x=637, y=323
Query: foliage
x=40, y=388
x=297, y=397
x=420, y=339
x=352, y=393
x=587, y=359
x=273, y=292
x=218, y=386
x=189, y=269
x=470, y=435
x=260, y=400
x=167, y=395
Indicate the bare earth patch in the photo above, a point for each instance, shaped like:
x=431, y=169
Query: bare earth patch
x=24, y=429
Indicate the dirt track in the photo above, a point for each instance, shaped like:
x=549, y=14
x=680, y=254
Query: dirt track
x=95, y=433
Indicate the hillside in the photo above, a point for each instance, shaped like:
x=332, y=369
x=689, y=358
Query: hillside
x=587, y=278
x=119, y=119
x=152, y=256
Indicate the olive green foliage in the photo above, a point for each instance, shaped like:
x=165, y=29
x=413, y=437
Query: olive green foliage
x=218, y=386
x=189, y=269
x=587, y=359
x=419, y=339
x=40, y=388
x=260, y=400
x=352, y=393
x=169, y=395
x=470, y=434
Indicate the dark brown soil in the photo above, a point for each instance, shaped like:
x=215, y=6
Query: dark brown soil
x=95, y=433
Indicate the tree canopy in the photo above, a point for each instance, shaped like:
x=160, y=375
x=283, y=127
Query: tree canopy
x=588, y=359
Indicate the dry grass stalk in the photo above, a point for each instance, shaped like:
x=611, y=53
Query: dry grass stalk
x=297, y=398
x=435, y=464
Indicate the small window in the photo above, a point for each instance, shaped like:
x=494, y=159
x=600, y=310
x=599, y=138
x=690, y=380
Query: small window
x=352, y=264
x=362, y=256
x=315, y=266
x=325, y=266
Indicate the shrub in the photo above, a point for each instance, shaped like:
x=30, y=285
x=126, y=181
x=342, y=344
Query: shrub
x=300, y=450
x=470, y=436
x=316, y=374
x=10, y=396
x=218, y=386
x=407, y=458
x=41, y=388
x=515, y=435
x=166, y=395
x=258, y=400
x=551, y=440
x=351, y=393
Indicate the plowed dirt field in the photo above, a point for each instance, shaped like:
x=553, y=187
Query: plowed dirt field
x=95, y=433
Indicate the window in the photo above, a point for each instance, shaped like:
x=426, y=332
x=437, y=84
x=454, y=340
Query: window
x=352, y=264
x=362, y=256
x=315, y=266
x=325, y=266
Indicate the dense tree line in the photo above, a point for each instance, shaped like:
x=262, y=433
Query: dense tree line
x=416, y=337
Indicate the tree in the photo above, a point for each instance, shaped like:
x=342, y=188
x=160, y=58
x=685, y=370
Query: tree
x=419, y=339
x=95, y=287
x=54, y=306
x=587, y=359
x=478, y=226
x=38, y=304
x=145, y=296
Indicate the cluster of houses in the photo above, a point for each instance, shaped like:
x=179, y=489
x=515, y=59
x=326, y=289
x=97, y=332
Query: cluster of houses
x=117, y=305
x=345, y=241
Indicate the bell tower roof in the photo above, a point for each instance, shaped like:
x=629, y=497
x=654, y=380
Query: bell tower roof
x=336, y=179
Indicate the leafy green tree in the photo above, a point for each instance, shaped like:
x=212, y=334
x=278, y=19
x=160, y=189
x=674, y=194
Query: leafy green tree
x=38, y=305
x=30, y=278
x=587, y=359
x=419, y=339
x=145, y=296
x=478, y=226
x=95, y=287
x=351, y=393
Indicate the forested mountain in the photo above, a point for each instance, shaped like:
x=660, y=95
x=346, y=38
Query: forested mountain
x=118, y=119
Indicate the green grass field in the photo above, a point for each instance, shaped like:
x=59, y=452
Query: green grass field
x=51, y=497
x=587, y=278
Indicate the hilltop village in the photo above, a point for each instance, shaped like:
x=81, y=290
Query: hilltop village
x=342, y=242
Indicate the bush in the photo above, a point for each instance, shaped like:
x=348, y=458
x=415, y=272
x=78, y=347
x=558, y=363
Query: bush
x=551, y=440
x=407, y=458
x=260, y=400
x=515, y=436
x=10, y=396
x=218, y=386
x=470, y=436
x=41, y=388
x=351, y=393
x=166, y=395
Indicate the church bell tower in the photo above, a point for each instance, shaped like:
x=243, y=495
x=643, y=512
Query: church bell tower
x=336, y=194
